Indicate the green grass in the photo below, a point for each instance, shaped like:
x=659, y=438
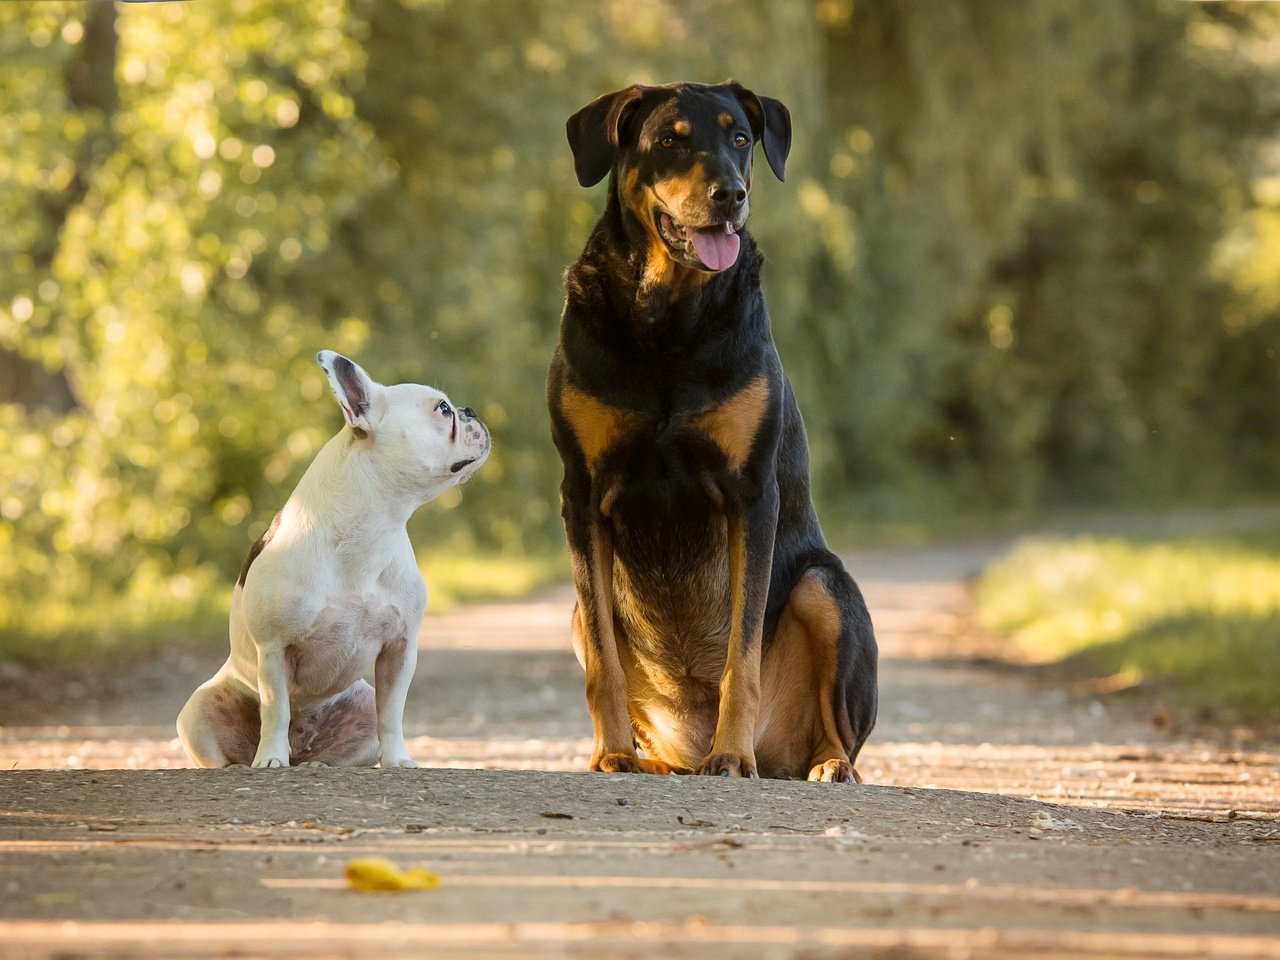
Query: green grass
x=1202, y=612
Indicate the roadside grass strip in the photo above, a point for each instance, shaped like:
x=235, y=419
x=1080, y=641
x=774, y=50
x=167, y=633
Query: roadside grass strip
x=1203, y=612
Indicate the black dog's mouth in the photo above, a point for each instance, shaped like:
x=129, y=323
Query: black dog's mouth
x=712, y=248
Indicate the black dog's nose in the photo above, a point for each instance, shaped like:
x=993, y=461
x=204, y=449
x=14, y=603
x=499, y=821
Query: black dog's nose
x=728, y=196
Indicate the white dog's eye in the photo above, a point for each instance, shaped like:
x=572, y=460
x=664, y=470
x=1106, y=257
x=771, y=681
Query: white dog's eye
x=443, y=408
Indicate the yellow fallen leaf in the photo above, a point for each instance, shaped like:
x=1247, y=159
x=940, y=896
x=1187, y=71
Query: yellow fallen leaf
x=379, y=875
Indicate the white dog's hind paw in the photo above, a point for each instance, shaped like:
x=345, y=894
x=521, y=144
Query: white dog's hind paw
x=270, y=762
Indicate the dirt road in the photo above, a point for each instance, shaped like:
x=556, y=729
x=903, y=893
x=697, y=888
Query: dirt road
x=1064, y=823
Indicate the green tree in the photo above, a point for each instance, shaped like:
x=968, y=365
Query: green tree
x=1020, y=258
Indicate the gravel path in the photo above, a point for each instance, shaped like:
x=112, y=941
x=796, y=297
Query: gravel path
x=1058, y=822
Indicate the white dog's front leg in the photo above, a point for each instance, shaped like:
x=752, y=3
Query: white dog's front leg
x=392, y=673
x=273, y=696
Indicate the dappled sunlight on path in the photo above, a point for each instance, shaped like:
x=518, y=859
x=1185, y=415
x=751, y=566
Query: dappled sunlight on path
x=498, y=688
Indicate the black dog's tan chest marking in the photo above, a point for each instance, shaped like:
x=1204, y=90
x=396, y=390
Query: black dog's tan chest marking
x=596, y=426
x=731, y=426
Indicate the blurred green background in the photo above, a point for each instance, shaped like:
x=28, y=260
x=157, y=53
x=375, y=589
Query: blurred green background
x=1027, y=259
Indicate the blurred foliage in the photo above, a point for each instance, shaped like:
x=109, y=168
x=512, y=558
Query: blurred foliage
x=463, y=577
x=1201, y=611
x=1025, y=256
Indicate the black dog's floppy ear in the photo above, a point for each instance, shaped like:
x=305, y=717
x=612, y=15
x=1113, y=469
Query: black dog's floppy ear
x=355, y=390
x=770, y=122
x=595, y=131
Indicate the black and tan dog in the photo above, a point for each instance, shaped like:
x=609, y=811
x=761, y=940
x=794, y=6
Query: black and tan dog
x=716, y=629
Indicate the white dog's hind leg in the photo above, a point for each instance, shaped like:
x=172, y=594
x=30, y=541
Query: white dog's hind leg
x=218, y=726
x=392, y=673
x=340, y=733
x=273, y=694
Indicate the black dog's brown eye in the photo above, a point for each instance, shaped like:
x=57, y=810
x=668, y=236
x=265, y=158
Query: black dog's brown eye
x=741, y=140
x=667, y=141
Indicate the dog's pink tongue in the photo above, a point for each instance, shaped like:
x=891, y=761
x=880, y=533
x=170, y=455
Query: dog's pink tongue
x=717, y=247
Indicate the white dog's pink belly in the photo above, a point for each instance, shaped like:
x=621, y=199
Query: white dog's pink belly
x=338, y=651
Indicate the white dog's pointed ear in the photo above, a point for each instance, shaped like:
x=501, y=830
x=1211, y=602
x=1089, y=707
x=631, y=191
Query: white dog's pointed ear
x=356, y=392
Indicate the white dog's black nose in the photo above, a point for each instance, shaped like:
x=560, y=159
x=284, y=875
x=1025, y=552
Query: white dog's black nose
x=468, y=413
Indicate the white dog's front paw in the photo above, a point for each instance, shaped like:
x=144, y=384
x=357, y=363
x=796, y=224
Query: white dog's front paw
x=263, y=763
x=388, y=761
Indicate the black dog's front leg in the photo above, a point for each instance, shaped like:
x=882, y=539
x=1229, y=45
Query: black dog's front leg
x=751, y=536
x=591, y=552
x=590, y=536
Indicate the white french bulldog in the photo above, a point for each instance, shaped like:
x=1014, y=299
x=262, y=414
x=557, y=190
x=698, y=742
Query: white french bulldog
x=331, y=593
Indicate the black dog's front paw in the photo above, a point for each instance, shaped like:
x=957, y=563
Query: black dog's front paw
x=730, y=765
x=835, y=771
x=630, y=763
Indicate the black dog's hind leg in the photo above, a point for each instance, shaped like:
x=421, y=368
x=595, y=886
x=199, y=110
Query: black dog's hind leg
x=819, y=680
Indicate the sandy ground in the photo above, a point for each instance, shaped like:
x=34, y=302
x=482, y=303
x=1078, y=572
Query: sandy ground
x=1006, y=813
